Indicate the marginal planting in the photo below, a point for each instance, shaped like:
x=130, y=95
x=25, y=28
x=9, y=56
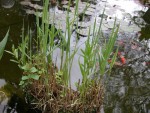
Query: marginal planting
x=48, y=86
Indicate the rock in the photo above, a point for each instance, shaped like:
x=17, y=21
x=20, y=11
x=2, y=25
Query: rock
x=61, y=26
x=85, y=32
x=103, y=16
x=85, y=24
x=35, y=6
x=7, y=3
x=130, y=29
x=127, y=15
x=91, y=9
x=90, y=13
x=138, y=21
x=64, y=2
x=65, y=7
x=28, y=11
x=93, y=6
x=25, y=2
x=94, y=2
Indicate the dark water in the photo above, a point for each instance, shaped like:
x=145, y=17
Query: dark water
x=127, y=88
x=11, y=97
x=128, y=91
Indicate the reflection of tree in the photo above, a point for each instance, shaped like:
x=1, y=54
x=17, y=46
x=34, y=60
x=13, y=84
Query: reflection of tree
x=145, y=2
x=17, y=105
x=145, y=32
x=135, y=97
x=146, y=16
x=143, y=21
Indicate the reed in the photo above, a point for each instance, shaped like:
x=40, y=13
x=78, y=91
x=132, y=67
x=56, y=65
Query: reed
x=3, y=44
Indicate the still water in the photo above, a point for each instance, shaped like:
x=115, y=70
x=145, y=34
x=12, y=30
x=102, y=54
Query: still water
x=127, y=88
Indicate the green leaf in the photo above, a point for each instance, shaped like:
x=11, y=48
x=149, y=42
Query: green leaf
x=33, y=70
x=15, y=61
x=35, y=77
x=59, y=73
x=21, y=83
x=81, y=69
x=15, y=53
x=25, y=67
x=3, y=44
x=9, y=52
x=25, y=77
x=113, y=59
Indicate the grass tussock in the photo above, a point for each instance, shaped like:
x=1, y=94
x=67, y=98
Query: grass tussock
x=56, y=101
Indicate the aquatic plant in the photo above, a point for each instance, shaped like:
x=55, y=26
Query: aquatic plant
x=47, y=85
x=3, y=44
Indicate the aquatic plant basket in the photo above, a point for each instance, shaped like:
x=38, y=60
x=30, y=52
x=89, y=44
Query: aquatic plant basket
x=54, y=97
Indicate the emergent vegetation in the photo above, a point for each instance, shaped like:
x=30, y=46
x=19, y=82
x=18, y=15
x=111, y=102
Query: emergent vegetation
x=48, y=86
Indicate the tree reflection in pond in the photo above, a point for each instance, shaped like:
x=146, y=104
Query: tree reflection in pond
x=145, y=32
x=127, y=91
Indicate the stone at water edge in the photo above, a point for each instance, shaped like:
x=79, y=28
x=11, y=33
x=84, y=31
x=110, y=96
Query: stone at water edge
x=90, y=13
x=64, y=2
x=35, y=6
x=84, y=32
x=85, y=24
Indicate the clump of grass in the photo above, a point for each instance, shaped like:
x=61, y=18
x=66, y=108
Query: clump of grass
x=47, y=85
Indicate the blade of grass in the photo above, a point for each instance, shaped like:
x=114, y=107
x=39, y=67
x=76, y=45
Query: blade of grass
x=3, y=44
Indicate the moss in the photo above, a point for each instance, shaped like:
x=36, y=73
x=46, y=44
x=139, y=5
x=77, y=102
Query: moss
x=9, y=90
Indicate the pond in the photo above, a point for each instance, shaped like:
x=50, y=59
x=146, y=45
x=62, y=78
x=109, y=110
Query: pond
x=128, y=86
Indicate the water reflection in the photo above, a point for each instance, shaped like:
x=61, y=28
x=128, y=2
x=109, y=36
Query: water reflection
x=145, y=32
x=11, y=98
x=127, y=91
x=7, y=3
x=16, y=105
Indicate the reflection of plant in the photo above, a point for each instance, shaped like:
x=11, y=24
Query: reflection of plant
x=48, y=85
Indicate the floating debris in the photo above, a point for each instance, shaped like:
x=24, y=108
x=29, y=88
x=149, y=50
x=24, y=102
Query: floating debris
x=28, y=11
x=85, y=24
